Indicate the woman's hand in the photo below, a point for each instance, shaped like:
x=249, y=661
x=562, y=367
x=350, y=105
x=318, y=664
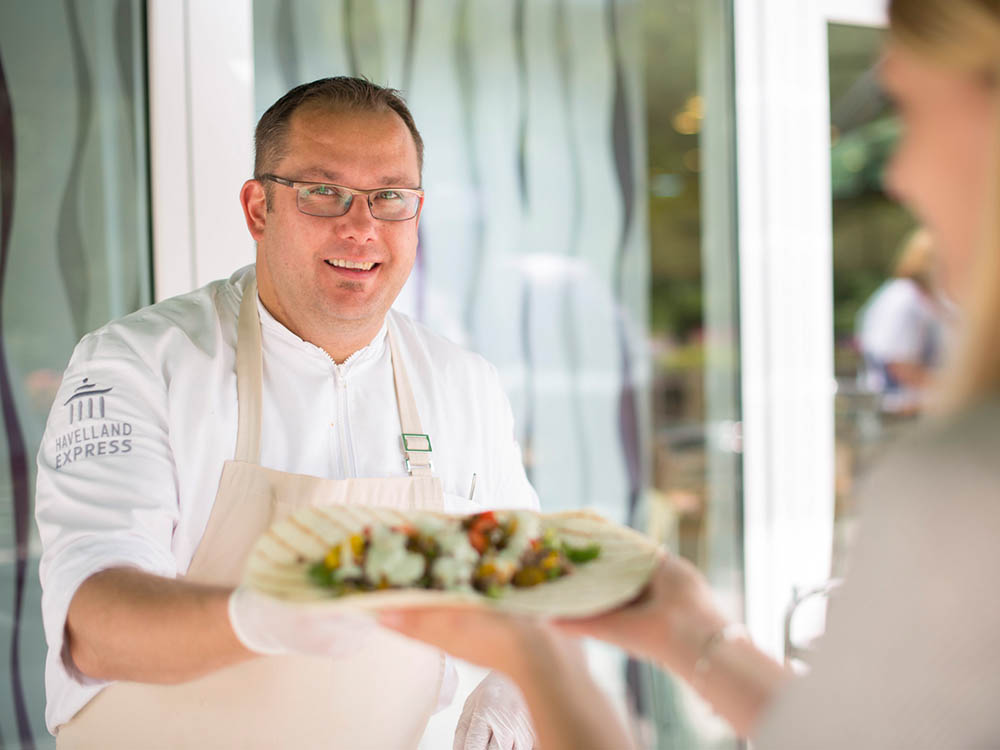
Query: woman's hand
x=676, y=623
x=669, y=623
x=485, y=637
x=568, y=710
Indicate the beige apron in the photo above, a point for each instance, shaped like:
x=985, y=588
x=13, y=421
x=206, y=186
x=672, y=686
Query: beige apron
x=380, y=697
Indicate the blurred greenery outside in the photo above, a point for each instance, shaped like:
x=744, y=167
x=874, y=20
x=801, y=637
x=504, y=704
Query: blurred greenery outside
x=671, y=88
x=674, y=115
x=868, y=226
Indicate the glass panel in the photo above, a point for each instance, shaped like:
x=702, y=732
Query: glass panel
x=568, y=149
x=75, y=253
x=696, y=499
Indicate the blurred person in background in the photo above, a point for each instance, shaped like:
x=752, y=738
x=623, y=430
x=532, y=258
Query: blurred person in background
x=911, y=655
x=901, y=330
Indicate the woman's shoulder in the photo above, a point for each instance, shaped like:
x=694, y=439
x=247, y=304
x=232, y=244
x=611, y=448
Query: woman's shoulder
x=941, y=481
x=969, y=439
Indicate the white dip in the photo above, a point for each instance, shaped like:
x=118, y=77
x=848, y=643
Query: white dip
x=454, y=568
x=388, y=558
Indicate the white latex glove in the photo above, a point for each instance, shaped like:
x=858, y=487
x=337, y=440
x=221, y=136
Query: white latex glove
x=495, y=717
x=269, y=626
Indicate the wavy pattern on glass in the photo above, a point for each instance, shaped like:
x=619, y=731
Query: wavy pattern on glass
x=74, y=267
x=288, y=50
x=627, y=402
x=625, y=172
x=71, y=257
x=562, y=44
x=412, y=14
x=123, y=60
x=365, y=39
x=420, y=273
x=127, y=19
x=466, y=74
x=420, y=264
x=522, y=126
x=16, y=452
x=527, y=350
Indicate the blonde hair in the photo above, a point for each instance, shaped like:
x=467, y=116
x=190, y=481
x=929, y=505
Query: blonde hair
x=965, y=35
x=917, y=259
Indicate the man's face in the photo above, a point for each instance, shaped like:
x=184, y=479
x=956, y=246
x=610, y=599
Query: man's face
x=296, y=254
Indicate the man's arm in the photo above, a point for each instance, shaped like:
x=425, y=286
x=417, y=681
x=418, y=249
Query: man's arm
x=126, y=624
x=107, y=507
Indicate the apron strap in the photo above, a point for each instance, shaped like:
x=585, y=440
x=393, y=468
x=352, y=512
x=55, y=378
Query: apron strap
x=416, y=444
x=249, y=376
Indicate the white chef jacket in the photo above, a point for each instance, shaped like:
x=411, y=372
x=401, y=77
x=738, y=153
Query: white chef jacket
x=899, y=323
x=146, y=415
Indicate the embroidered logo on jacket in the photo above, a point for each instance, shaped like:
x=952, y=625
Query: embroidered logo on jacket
x=95, y=433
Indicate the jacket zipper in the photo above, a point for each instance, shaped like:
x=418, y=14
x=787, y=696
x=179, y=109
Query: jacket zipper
x=343, y=429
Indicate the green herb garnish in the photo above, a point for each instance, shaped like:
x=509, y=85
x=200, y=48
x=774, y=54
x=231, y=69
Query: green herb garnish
x=582, y=554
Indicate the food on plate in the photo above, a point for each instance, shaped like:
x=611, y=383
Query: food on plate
x=367, y=558
x=487, y=552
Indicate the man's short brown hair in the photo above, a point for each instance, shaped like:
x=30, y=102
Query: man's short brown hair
x=340, y=92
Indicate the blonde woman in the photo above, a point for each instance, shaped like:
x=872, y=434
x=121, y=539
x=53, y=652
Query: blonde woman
x=911, y=657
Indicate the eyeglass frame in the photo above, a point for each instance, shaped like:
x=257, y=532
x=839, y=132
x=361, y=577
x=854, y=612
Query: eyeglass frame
x=284, y=181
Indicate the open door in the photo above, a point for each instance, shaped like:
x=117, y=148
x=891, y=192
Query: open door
x=786, y=290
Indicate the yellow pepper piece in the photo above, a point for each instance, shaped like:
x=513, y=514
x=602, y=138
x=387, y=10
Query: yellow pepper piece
x=486, y=569
x=550, y=561
x=332, y=559
x=528, y=577
x=357, y=546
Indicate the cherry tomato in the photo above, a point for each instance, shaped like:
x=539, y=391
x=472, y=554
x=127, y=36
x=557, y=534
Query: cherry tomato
x=478, y=540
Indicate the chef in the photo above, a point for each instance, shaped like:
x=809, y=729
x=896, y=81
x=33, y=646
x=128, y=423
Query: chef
x=183, y=430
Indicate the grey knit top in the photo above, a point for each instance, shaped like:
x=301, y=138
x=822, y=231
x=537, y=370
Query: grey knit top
x=911, y=655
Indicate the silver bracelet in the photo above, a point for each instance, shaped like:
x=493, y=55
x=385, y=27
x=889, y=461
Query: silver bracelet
x=734, y=631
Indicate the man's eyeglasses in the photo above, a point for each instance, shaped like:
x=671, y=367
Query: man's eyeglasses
x=322, y=199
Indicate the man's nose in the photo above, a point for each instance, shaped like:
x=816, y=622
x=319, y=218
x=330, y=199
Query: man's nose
x=357, y=224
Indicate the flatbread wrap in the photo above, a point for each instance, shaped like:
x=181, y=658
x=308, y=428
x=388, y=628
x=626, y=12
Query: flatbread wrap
x=364, y=558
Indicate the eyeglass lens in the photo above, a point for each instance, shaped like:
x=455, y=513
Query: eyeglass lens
x=329, y=200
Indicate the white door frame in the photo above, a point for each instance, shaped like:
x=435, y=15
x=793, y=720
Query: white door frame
x=786, y=295
x=201, y=120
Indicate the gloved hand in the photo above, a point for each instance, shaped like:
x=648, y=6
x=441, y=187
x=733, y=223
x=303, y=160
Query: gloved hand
x=495, y=717
x=269, y=626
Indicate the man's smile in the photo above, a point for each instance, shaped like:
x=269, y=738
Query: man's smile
x=351, y=265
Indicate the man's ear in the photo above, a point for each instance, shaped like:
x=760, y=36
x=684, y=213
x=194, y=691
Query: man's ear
x=254, y=203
